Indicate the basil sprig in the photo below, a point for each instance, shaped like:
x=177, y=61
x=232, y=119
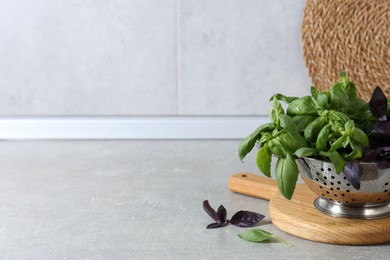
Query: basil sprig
x=325, y=124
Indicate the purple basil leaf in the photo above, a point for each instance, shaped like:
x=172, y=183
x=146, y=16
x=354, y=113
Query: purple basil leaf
x=369, y=154
x=246, y=218
x=380, y=135
x=353, y=171
x=385, y=150
x=209, y=210
x=221, y=214
x=216, y=225
x=378, y=103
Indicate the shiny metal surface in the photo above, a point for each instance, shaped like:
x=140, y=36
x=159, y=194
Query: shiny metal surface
x=361, y=211
x=338, y=198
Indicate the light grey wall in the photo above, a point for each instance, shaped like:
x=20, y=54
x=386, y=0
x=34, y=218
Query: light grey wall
x=148, y=57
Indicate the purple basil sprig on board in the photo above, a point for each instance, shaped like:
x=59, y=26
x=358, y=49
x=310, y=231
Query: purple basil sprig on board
x=240, y=219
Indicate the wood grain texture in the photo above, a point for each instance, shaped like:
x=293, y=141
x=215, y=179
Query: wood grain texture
x=253, y=185
x=298, y=216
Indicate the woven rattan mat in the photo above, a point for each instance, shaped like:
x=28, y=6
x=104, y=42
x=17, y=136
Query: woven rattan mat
x=350, y=35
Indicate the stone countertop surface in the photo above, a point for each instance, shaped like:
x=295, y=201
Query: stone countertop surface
x=136, y=199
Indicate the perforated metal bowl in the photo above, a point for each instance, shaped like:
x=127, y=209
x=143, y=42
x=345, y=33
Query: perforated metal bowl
x=338, y=198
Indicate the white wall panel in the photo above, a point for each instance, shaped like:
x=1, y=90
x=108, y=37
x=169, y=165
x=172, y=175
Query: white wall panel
x=235, y=54
x=148, y=57
x=84, y=57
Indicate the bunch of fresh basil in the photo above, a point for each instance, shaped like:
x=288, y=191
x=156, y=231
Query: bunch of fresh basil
x=328, y=124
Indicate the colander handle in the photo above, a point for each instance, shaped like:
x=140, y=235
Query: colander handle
x=253, y=185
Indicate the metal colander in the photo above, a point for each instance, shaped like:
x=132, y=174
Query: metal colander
x=338, y=198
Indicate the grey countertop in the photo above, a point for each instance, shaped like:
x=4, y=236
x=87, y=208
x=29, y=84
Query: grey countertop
x=135, y=200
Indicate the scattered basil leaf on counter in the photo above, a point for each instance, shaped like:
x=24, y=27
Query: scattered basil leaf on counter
x=240, y=219
x=246, y=218
x=260, y=235
x=219, y=216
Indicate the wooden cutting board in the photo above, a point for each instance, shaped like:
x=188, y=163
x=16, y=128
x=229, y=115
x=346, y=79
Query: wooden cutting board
x=300, y=218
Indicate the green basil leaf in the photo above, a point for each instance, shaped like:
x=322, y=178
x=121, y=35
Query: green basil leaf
x=265, y=137
x=313, y=128
x=337, y=144
x=341, y=94
x=356, y=153
x=359, y=136
x=339, y=98
x=338, y=116
x=303, y=106
x=287, y=123
x=277, y=148
x=323, y=138
x=249, y=142
x=323, y=100
x=343, y=75
x=338, y=161
x=291, y=141
x=306, y=152
x=286, y=175
x=275, y=111
x=283, y=98
x=359, y=111
x=351, y=89
x=314, y=91
x=263, y=160
x=301, y=122
x=349, y=126
x=260, y=235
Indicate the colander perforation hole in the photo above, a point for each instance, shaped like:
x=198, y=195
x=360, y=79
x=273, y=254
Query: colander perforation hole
x=327, y=192
x=343, y=195
x=325, y=183
x=331, y=183
x=318, y=173
x=325, y=177
x=386, y=183
x=331, y=188
x=329, y=169
x=347, y=190
x=317, y=179
x=322, y=169
x=320, y=187
x=379, y=199
x=385, y=190
x=335, y=195
x=348, y=184
x=333, y=177
x=339, y=182
x=337, y=188
x=353, y=199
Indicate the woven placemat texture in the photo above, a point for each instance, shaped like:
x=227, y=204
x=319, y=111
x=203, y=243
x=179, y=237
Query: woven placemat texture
x=350, y=35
